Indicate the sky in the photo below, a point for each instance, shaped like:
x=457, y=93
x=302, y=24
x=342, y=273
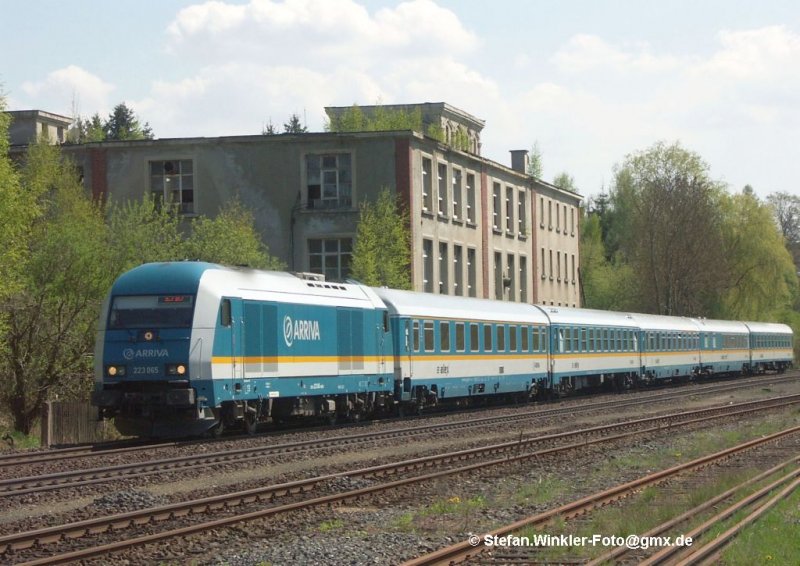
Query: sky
x=589, y=82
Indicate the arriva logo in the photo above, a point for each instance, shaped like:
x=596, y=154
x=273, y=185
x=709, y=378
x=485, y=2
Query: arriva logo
x=299, y=330
x=130, y=353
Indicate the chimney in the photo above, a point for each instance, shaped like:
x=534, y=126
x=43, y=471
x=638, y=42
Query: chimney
x=519, y=160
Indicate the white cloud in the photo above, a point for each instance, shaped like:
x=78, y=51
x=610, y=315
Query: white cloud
x=272, y=58
x=316, y=32
x=63, y=87
x=584, y=52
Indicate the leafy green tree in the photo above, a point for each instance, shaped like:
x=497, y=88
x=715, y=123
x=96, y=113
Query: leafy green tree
x=535, y=161
x=786, y=208
x=52, y=315
x=382, y=250
x=14, y=213
x=378, y=119
x=122, y=124
x=606, y=284
x=565, y=181
x=668, y=227
x=142, y=232
x=230, y=238
x=294, y=125
x=761, y=280
x=87, y=131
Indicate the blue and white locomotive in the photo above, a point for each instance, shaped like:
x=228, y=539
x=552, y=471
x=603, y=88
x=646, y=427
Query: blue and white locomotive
x=185, y=348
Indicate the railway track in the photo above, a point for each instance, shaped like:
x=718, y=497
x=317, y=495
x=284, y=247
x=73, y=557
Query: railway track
x=84, y=477
x=475, y=548
x=493, y=455
x=16, y=459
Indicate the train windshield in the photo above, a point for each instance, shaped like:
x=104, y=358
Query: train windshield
x=151, y=311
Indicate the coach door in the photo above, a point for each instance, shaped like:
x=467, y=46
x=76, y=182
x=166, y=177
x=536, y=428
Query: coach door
x=231, y=341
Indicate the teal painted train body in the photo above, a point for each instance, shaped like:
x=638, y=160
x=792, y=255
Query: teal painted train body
x=189, y=347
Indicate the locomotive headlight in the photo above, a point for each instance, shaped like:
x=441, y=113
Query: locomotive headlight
x=115, y=371
x=176, y=369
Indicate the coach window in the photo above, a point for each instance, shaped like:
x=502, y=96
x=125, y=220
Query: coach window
x=416, y=336
x=512, y=338
x=487, y=337
x=428, y=332
x=525, y=341
x=474, y=341
x=565, y=340
x=501, y=338
x=225, y=313
x=535, y=339
x=584, y=343
x=561, y=341
x=460, y=338
x=444, y=336
x=635, y=342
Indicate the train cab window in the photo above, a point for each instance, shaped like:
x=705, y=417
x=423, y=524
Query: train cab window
x=427, y=330
x=460, y=337
x=512, y=338
x=225, y=318
x=386, y=321
x=474, y=338
x=501, y=338
x=525, y=334
x=416, y=336
x=444, y=336
x=487, y=337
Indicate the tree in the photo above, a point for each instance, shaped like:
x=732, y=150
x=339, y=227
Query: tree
x=606, y=284
x=761, y=280
x=269, y=129
x=294, y=125
x=230, y=238
x=14, y=212
x=535, y=161
x=382, y=250
x=142, y=232
x=786, y=209
x=565, y=181
x=52, y=315
x=668, y=227
x=91, y=130
x=121, y=124
x=378, y=119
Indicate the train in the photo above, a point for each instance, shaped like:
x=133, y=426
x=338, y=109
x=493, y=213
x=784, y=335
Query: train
x=189, y=348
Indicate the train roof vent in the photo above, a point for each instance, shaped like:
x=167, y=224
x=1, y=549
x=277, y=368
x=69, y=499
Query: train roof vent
x=327, y=286
x=309, y=276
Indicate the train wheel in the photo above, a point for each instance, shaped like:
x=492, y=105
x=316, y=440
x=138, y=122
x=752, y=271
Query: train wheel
x=218, y=429
x=250, y=423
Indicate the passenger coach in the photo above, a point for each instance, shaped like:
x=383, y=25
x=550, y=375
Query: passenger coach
x=451, y=347
x=770, y=346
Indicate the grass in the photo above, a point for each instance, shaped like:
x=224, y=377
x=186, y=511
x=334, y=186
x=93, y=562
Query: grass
x=18, y=441
x=772, y=539
x=444, y=514
x=331, y=525
x=655, y=505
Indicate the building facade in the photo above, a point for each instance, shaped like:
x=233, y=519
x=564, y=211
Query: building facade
x=29, y=125
x=478, y=228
